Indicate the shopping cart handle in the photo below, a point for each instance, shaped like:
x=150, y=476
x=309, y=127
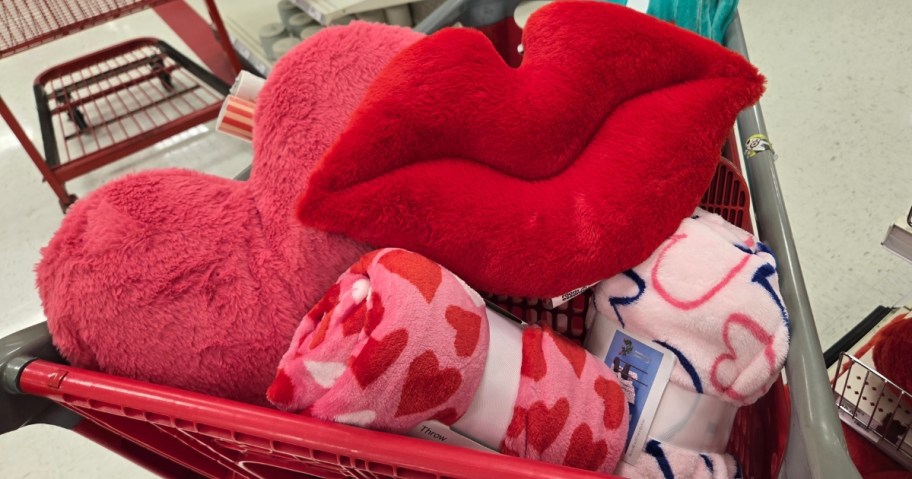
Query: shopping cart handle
x=16, y=409
x=816, y=446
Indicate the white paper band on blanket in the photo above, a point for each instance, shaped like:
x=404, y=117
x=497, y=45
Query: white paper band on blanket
x=694, y=421
x=488, y=417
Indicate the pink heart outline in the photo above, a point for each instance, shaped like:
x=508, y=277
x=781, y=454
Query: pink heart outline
x=685, y=304
x=760, y=334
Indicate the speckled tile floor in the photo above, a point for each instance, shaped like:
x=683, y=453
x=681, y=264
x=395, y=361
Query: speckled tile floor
x=838, y=108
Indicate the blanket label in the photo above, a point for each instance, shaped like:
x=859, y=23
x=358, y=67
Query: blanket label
x=439, y=432
x=485, y=422
x=489, y=415
x=247, y=86
x=556, y=301
x=643, y=369
x=691, y=420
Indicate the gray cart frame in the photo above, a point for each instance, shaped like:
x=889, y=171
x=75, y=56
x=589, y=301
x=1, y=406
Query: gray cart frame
x=816, y=446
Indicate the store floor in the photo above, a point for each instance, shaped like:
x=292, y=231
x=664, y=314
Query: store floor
x=838, y=108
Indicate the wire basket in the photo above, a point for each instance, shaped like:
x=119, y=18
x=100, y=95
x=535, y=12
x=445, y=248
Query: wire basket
x=94, y=109
x=201, y=435
x=875, y=407
x=28, y=23
x=183, y=434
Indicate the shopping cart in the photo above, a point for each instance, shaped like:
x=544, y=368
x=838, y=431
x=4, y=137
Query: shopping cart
x=790, y=432
x=111, y=103
x=875, y=407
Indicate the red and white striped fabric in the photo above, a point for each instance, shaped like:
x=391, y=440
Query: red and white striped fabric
x=236, y=118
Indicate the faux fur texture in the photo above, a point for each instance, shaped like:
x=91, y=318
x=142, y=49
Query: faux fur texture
x=399, y=340
x=893, y=351
x=189, y=280
x=536, y=180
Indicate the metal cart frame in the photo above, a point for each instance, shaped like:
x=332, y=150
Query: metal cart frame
x=816, y=446
x=53, y=19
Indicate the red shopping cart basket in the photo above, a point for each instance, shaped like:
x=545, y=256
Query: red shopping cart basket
x=178, y=433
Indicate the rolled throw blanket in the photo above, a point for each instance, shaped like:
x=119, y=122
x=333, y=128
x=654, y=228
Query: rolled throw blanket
x=710, y=295
x=399, y=340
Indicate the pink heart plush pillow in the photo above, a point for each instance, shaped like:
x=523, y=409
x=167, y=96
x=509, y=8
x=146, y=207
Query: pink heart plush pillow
x=185, y=279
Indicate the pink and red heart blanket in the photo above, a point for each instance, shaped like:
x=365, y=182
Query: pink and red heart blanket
x=399, y=340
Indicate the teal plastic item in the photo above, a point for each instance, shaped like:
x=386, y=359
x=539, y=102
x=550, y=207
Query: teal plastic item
x=709, y=18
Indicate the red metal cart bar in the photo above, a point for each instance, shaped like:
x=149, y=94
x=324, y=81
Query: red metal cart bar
x=184, y=21
x=270, y=429
x=30, y=149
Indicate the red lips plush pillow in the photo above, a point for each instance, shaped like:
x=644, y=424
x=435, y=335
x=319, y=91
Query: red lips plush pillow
x=535, y=180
